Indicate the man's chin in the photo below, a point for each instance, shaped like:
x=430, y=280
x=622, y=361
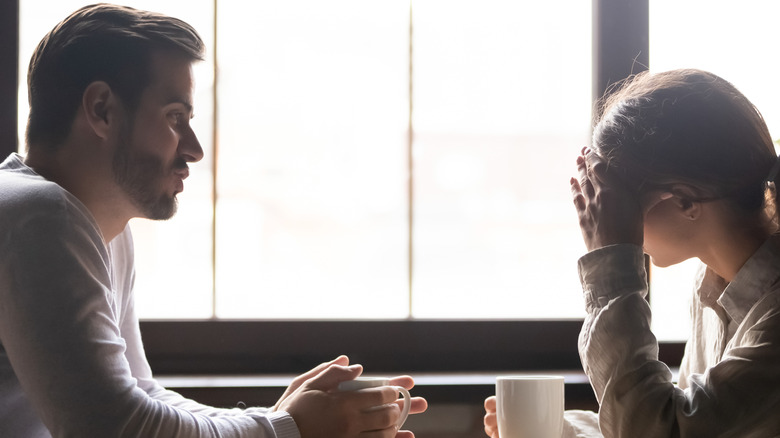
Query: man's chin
x=162, y=210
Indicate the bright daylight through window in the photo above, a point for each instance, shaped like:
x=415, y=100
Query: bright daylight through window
x=315, y=215
x=376, y=160
x=690, y=34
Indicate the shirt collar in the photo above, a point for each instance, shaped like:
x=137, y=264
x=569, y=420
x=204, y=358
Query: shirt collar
x=14, y=161
x=754, y=279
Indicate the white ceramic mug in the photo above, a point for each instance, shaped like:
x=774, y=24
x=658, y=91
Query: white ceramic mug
x=374, y=382
x=529, y=406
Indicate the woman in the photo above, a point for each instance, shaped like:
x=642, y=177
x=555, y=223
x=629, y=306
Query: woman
x=681, y=166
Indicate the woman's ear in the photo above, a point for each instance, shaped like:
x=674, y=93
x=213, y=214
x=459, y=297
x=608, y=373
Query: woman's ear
x=99, y=105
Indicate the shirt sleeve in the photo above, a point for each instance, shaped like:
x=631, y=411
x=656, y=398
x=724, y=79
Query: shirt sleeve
x=737, y=397
x=122, y=253
x=60, y=329
x=580, y=424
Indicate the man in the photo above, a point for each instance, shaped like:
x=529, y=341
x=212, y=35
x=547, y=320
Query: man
x=108, y=139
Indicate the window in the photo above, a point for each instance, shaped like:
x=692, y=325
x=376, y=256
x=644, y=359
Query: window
x=393, y=160
x=373, y=161
x=498, y=117
x=315, y=213
x=312, y=176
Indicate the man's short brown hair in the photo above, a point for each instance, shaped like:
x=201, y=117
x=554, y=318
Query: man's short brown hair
x=100, y=42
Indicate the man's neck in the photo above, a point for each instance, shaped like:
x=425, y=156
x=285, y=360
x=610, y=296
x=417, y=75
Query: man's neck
x=88, y=179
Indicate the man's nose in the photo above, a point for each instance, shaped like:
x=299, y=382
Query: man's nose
x=190, y=147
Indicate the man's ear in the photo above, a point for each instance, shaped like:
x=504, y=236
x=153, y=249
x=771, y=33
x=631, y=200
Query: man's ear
x=100, y=106
x=685, y=200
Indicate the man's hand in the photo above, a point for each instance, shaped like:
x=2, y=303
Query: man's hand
x=300, y=380
x=321, y=411
x=491, y=419
x=419, y=404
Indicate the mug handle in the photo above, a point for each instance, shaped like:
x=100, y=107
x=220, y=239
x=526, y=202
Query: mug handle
x=407, y=405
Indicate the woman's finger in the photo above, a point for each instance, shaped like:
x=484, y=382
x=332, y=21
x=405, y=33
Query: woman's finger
x=491, y=424
x=576, y=192
x=585, y=182
x=490, y=420
x=491, y=403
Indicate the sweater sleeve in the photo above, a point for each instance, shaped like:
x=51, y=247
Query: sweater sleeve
x=736, y=397
x=122, y=253
x=60, y=327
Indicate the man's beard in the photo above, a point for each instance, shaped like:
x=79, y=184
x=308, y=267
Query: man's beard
x=140, y=177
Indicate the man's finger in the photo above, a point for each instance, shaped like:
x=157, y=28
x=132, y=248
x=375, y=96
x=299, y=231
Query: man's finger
x=369, y=397
x=419, y=405
x=403, y=381
x=330, y=377
x=341, y=360
x=380, y=417
x=390, y=432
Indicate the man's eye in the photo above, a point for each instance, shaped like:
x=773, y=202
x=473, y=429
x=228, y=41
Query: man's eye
x=177, y=118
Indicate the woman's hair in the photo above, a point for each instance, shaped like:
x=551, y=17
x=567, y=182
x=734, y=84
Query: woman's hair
x=100, y=42
x=687, y=127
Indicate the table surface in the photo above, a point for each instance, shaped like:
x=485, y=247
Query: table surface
x=420, y=379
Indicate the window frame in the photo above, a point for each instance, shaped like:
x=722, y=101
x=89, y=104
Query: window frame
x=209, y=347
x=9, y=77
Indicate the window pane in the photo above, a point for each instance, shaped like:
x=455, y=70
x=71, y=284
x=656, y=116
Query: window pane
x=691, y=34
x=312, y=206
x=737, y=41
x=502, y=101
x=174, y=257
x=313, y=214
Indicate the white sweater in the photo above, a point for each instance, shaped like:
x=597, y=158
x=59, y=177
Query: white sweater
x=71, y=356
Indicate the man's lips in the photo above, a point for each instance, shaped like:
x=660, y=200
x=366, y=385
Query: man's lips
x=182, y=173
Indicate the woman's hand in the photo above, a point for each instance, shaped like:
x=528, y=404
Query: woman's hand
x=609, y=213
x=491, y=420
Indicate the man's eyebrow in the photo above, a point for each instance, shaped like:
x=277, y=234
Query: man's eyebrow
x=186, y=104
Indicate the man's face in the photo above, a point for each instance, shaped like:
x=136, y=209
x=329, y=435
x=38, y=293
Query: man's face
x=157, y=142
